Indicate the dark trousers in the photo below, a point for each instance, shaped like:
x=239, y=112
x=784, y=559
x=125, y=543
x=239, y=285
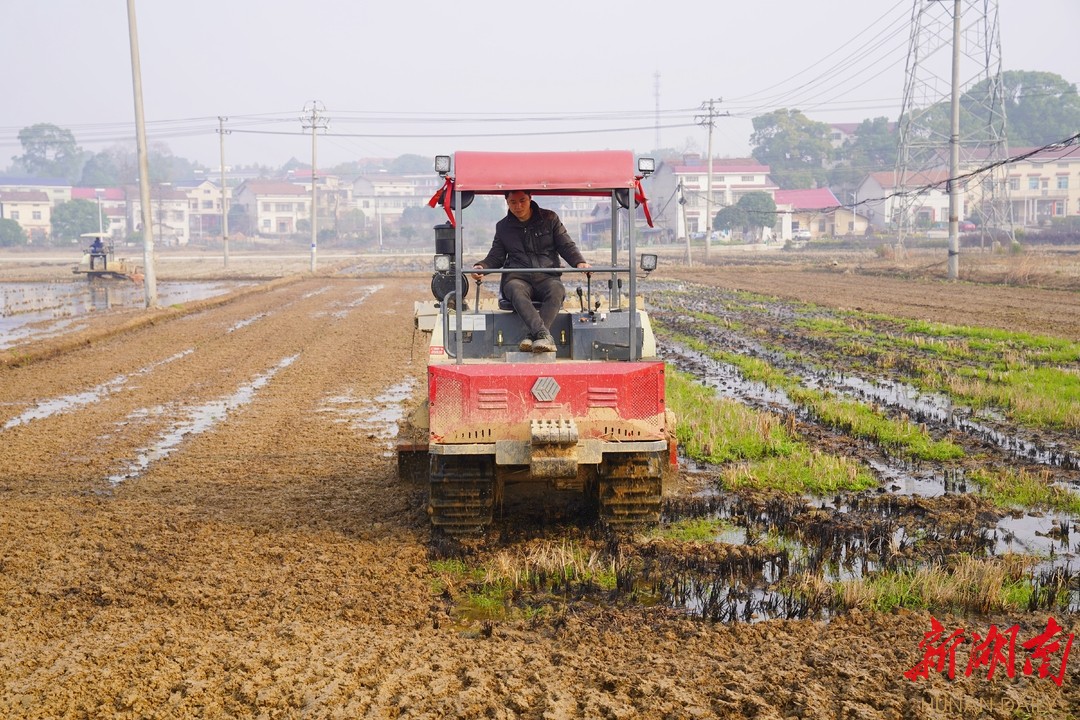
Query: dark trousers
x=548, y=290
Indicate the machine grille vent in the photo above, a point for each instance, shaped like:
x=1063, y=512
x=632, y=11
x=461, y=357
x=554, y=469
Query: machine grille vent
x=449, y=407
x=643, y=400
x=603, y=397
x=492, y=399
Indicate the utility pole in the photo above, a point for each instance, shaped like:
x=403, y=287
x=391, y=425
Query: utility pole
x=224, y=193
x=954, y=152
x=709, y=121
x=98, y=192
x=314, y=119
x=149, y=276
x=681, y=220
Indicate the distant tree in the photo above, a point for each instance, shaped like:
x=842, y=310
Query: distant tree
x=49, y=151
x=794, y=147
x=730, y=218
x=101, y=170
x=752, y=212
x=119, y=165
x=873, y=146
x=1040, y=108
x=350, y=222
x=11, y=233
x=75, y=217
x=166, y=167
x=760, y=209
x=294, y=164
x=239, y=220
x=412, y=164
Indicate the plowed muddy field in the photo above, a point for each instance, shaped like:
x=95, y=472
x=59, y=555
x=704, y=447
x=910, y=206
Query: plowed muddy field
x=201, y=514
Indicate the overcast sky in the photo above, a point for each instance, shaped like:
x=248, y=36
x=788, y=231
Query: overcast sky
x=427, y=77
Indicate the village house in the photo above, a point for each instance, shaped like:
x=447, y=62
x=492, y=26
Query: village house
x=204, y=209
x=31, y=209
x=169, y=210
x=272, y=208
x=924, y=200
x=1045, y=185
x=817, y=212
x=677, y=190
x=383, y=198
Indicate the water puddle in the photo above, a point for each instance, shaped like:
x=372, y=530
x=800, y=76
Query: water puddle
x=39, y=310
x=247, y=321
x=349, y=306
x=65, y=403
x=376, y=417
x=199, y=420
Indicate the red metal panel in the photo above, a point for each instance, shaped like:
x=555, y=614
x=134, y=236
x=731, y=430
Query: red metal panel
x=487, y=402
x=593, y=173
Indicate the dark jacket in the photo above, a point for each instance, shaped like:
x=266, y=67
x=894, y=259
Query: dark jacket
x=538, y=243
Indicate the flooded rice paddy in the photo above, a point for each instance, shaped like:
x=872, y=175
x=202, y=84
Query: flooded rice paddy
x=38, y=310
x=729, y=553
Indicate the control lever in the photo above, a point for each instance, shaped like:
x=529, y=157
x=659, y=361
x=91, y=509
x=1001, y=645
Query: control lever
x=581, y=298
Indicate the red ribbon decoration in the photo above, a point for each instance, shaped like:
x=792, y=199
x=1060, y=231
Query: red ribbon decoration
x=639, y=197
x=445, y=193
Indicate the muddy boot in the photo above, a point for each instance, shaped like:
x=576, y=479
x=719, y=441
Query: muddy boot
x=543, y=343
x=526, y=345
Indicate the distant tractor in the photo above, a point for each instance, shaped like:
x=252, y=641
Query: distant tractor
x=99, y=260
x=590, y=416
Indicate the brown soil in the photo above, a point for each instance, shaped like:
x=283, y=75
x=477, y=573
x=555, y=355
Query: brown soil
x=273, y=565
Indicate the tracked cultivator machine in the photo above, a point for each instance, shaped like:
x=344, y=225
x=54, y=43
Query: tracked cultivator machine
x=590, y=416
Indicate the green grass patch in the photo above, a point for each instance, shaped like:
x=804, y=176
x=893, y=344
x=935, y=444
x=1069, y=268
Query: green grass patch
x=860, y=420
x=802, y=471
x=966, y=584
x=854, y=417
x=718, y=430
x=517, y=582
x=1010, y=488
x=1036, y=396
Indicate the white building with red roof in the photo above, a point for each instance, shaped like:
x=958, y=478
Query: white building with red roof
x=688, y=179
x=818, y=212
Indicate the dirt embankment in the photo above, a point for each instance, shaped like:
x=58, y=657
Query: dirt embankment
x=195, y=521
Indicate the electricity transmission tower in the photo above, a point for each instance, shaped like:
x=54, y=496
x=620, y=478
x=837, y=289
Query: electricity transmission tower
x=953, y=116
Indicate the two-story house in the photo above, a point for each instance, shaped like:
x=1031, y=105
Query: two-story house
x=272, y=208
x=677, y=190
x=204, y=208
x=31, y=209
x=169, y=211
x=923, y=198
x=1045, y=185
x=383, y=197
x=58, y=190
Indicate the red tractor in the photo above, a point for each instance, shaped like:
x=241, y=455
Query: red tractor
x=590, y=416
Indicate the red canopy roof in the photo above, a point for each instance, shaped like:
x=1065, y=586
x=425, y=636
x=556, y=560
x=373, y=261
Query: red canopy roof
x=545, y=173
